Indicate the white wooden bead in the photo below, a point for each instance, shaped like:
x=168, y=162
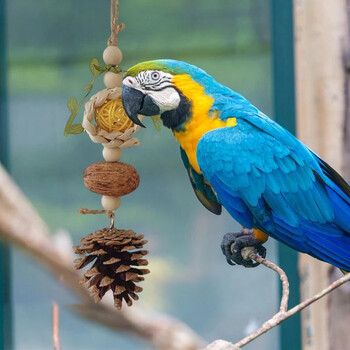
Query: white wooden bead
x=112, y=80
x=112, y=55
x=110, y=203
x=111, y=154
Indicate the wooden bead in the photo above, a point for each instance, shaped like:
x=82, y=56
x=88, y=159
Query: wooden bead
x=112, y=55
x=112, y=80
x=111, y=154
x=111, y=179
x=110, y=203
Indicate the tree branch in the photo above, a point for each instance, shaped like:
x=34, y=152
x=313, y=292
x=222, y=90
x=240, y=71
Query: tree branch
x=56, y=327
x=283, y=313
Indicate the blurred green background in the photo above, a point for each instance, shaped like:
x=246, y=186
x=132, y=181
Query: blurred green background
x=50, y=45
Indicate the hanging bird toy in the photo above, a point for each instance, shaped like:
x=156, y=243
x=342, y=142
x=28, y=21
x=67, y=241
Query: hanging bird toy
x=115, y=255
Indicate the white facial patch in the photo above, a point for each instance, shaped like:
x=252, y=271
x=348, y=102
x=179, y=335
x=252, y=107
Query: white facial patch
x=166, y=99
x=158, y=85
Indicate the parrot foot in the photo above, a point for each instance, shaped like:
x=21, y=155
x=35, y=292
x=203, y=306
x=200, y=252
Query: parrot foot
x=232, y=246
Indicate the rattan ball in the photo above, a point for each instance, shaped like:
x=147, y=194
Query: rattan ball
x=112, y=117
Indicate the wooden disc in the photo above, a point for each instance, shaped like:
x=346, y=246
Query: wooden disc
x=111, y=179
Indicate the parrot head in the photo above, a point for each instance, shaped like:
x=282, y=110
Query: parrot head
x=165, y=88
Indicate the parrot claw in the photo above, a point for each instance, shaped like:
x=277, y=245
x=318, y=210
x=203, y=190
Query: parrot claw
x=233, y=243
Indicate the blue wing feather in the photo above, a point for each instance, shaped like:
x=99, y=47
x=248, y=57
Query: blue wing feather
x=268, y=179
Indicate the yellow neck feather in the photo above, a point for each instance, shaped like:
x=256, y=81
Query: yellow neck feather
x=201, y=120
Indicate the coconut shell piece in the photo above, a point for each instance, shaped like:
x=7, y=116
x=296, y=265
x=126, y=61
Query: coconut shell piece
x=116, y=257
x=111, y=178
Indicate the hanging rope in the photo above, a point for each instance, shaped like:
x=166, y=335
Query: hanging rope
x=109, y=213
x=115, y=28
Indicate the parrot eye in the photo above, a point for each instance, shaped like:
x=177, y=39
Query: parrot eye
x=155, y=76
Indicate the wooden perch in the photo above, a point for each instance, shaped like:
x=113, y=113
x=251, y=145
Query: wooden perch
x=283, y=313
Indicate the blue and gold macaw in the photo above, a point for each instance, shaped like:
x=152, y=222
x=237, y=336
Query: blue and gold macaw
x=237, y=157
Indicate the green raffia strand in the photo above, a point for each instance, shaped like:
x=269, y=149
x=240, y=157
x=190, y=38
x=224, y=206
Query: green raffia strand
x=156, y=121
x=73, y=105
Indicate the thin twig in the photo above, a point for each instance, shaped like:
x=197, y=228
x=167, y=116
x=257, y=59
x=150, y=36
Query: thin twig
x=56, y=326
x=319, y=295
x=283, y=314
x=283, y=277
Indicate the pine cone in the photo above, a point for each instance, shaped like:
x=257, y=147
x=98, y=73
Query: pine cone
x=113, y=252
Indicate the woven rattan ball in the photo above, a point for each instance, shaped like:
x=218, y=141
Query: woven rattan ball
x=112, y=117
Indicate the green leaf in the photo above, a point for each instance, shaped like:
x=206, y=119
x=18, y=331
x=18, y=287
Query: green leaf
x=87, y=87
x=99, y=69
x=72, y=104
x=76, y=129
x=93, y=64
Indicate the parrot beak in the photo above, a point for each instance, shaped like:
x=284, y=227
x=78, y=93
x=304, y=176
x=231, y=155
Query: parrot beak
x=135, y=102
